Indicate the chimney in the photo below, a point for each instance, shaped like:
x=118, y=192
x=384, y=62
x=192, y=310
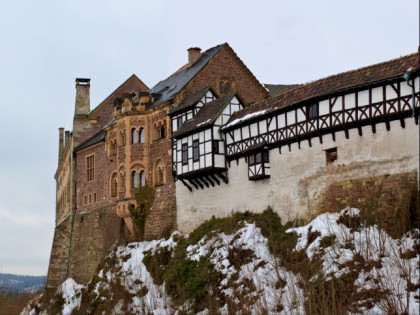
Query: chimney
x=194, y=54
x=82, y=96
x=60, y=143
x=67, y=137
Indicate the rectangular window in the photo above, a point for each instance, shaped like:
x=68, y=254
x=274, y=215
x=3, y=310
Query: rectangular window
x=196, y=151
x=90, y=168
x=185, y=154
x=258, y=166
x=330, y=155
x=312, y=111
x=216, y=147
x=179, y=121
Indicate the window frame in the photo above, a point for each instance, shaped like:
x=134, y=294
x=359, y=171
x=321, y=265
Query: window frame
x=184, y=154
x=196, y=150
x=90, y=168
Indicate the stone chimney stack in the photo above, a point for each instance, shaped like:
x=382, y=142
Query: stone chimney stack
x=66, y=137
x=82, y=96
x=60, y=143
x=194, y=54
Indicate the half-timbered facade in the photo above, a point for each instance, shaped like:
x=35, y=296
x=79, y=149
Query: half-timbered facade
x=199, y=159
x=283, y=151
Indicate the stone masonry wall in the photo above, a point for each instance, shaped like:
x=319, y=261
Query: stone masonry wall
x=94, y=233
x=57, y=269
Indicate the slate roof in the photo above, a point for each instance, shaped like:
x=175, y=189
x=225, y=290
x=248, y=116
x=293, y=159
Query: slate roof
x=369, y=75
x=205, y=117
x=190, y=101
x=168, y=88
x=96, y=138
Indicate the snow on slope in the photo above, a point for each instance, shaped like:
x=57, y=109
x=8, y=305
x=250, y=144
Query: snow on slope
x=261, y=278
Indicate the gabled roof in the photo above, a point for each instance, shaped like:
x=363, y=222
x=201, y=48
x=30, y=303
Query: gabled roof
x=205, y=117
x=168, y=88
x=191, y=100
x=367, y=76
x=132, y=79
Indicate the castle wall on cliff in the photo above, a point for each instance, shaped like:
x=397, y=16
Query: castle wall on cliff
x=209, y=141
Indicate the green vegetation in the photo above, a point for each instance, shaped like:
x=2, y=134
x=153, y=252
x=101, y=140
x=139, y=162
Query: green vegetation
x=144, y=197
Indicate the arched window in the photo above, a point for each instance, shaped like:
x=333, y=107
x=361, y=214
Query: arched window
x=121, y=138
x=142, y=179
x=114, y=185
x=160, y=176
x=134, y=136
x=141, y=134
x=135, y=183
x=163, y=132
x=122, y=180
x=113, y=147
x=159, y=173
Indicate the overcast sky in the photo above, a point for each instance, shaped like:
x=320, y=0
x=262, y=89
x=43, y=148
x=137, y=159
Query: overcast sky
x=46, y=44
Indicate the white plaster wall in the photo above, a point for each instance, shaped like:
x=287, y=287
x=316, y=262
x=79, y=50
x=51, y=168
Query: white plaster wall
x=298, y=177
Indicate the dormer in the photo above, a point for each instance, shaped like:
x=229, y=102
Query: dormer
x=190, y=107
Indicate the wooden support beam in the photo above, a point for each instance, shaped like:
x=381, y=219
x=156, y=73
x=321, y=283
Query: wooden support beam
x=346, y=132
x=204, y=181
x=360, y=131
x=373, y=128
x=215, y=179
x=320, y=139
x=209, y=180
x=198, y=183
x=223, y=177
x=388, y=125
x=186, y=185
x=193, y=183
x=402, y=121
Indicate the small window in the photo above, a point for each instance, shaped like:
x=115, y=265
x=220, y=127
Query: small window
x=142, y=179
x=141, y=135
x=135, y=183
x=134, y=136
x=216, y=147
x=85, y=199
x=331, y=155
x=196, y=151
x=162, y=132
x=114, y=185
x=185, y=154
x=312, y=111
x=179, y=121
x=94, y=197
x=160, y=176
x=90, y=168
x=258, y=165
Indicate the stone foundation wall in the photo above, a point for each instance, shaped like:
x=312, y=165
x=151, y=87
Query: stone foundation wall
x=57, y=269
x=94, y=233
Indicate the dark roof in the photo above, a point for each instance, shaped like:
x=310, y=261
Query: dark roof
x=370, y=75
x=168, y=88
x=190, y=100
x=98, y=137
x=205, y=117
x=277, y=89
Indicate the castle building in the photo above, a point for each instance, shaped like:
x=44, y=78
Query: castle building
x=124, y=143
x=211, y=139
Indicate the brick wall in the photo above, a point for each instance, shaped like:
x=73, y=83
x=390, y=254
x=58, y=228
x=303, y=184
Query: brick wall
x=227, y=66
